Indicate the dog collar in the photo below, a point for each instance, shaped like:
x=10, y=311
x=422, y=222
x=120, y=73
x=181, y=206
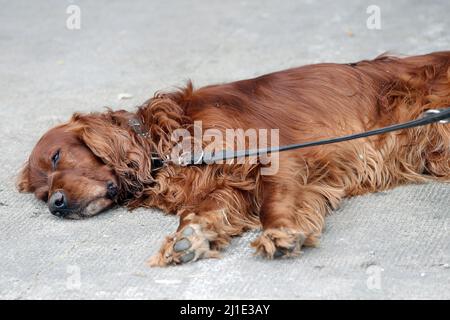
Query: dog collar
x=138, y=127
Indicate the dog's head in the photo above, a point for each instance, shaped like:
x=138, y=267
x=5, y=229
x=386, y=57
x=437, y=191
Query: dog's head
x=87, y=165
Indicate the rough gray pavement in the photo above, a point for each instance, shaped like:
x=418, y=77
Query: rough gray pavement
x=385, y=245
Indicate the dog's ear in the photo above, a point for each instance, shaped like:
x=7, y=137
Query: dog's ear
x=23, y=179
x=116, y=146
x=26, y=182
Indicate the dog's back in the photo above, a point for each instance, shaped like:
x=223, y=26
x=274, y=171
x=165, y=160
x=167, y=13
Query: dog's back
x=338, y=98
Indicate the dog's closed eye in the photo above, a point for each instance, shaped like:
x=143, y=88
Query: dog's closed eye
x=55, y=158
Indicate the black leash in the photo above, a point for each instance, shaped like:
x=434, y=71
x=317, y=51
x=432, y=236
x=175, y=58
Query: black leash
x=429, y=116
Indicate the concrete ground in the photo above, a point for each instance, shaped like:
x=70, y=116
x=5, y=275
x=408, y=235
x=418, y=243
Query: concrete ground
x=385, y=245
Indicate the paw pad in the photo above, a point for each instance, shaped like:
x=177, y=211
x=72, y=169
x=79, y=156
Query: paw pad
x=281, y=252
x=189, y=231
x=188, y=244
x=182, y=245
x=279, y=243
x=187, y=257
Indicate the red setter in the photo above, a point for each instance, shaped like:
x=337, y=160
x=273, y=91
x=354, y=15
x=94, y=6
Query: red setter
x=98, y=160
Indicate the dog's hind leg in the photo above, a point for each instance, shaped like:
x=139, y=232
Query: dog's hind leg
x=293, y=213
x=438, y=152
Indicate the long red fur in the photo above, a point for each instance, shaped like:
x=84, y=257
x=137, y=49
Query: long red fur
x=307, y=103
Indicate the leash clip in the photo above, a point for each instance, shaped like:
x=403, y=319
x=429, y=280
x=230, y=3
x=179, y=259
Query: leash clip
x=430, y=112
x=156, y=161
x=186, y=159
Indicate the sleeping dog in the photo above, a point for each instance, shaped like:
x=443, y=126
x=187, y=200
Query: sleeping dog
x=98, y=160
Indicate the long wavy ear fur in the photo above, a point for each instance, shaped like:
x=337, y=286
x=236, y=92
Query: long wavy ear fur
x=23, y=179
x=118, y=148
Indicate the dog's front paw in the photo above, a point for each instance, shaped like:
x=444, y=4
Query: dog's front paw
x=188, y=244
x=279, y=243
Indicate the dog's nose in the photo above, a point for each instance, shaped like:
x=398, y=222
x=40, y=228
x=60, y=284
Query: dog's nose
x=57, y=203
x=111, y=190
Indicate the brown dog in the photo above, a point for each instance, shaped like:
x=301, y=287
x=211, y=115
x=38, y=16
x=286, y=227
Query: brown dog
x=97, y=160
